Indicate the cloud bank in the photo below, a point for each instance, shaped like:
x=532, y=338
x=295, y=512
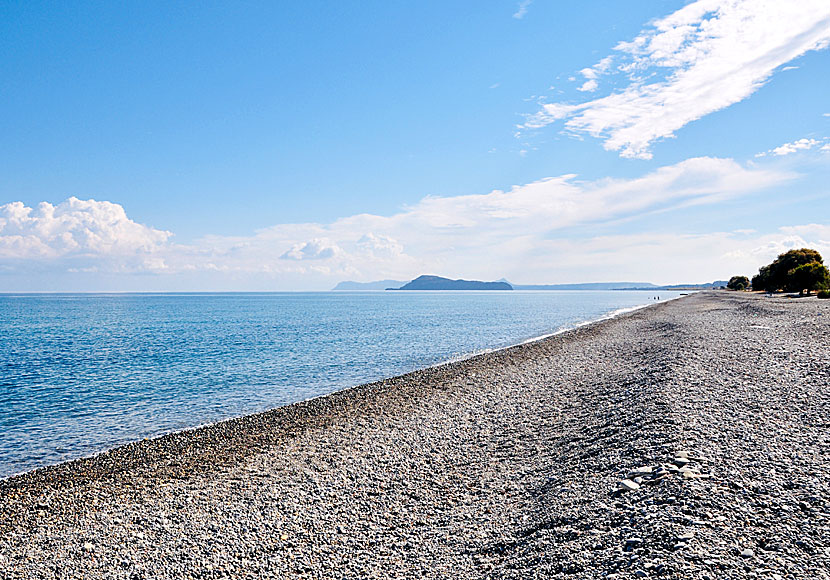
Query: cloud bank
x=526, y=233
x=702, y=58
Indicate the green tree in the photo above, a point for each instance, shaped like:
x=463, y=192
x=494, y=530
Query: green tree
x=761, y=279
x=812, y=276
x=738, y=283
x=776, y=276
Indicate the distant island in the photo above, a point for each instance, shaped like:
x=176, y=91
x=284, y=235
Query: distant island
x=439, y=283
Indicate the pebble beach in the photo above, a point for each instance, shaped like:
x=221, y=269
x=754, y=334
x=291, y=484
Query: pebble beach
x=689, y=439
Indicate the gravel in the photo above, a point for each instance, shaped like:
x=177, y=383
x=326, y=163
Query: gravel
x=686, y=440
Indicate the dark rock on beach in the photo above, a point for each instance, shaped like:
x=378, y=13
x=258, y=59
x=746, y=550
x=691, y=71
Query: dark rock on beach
x=686, y=440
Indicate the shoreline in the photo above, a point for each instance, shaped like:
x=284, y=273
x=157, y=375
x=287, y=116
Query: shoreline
x=506, y=465
x=461, y=358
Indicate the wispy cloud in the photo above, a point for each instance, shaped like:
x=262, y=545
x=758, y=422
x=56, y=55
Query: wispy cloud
x=592, y=74
x=702, y=58
x=482, y=236
x=521, y=10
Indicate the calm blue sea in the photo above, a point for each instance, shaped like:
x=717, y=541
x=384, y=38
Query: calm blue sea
x=82, y=373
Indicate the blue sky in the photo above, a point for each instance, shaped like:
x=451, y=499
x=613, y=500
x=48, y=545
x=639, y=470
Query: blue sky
x=287, y=146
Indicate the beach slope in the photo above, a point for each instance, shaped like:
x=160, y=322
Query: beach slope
x=689, y=439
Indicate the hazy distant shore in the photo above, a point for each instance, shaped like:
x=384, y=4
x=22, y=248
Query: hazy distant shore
x=503, y=465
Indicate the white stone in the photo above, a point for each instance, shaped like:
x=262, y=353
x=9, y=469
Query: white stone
x=628, y=485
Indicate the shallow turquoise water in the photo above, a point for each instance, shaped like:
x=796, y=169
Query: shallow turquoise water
x=82, y=373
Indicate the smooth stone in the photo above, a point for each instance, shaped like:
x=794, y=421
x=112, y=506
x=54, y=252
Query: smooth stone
x=747, y=553
x=640, y=573
x=628, y=485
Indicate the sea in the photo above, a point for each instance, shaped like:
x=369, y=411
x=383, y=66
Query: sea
x=82, y=373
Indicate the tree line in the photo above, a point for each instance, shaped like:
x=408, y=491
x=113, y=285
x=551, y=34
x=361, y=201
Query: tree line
x=794, y=271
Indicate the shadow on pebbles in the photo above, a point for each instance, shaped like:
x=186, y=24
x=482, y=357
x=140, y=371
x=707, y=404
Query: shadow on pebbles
x=687, y=440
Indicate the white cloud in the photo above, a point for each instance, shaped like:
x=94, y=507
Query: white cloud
x=79, y=230
x=789, y=148
x=683, y=258
x=801, y=144
x=702, y=58
x=588, y=86
x=380, y=246
x=593, y=73
x=521, y=9
x=817, y=232
x=756, y=252
x=316, y=249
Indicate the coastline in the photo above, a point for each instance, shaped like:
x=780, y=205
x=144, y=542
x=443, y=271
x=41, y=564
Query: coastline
x=454, y=359
x=503, y=465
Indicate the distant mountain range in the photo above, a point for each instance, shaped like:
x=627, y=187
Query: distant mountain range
x=439, y=283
